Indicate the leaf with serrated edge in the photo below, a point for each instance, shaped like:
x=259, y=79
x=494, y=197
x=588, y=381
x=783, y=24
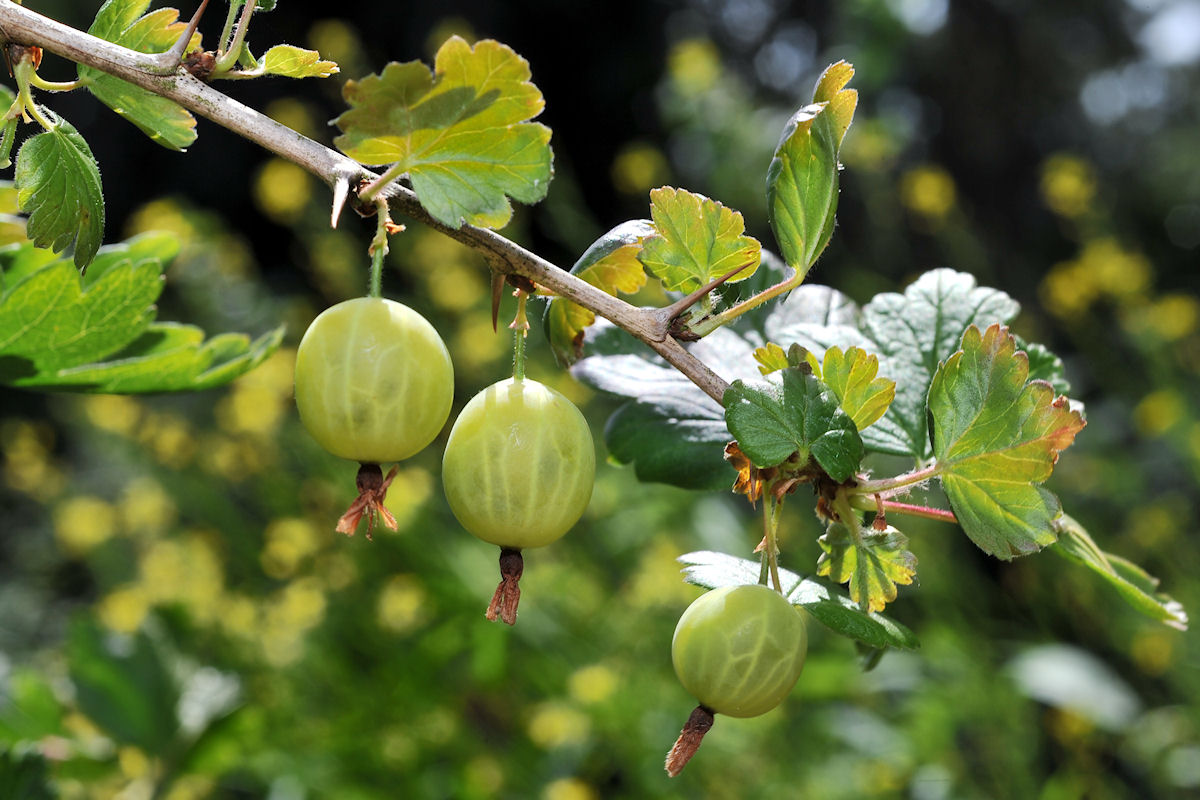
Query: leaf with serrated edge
x=799, y=415
x=121, y=22
x=802, y=189
x=610, y=264
x=996, y=437
x=873, y=564
x=841, y=102
x=61, y=331
x=296, y=62
x=58, y=186
x=851, y=376
x=462, y=135
x=671, y=431
x=770, y=358
x=713, y=570
x=696, y=241
x=1135, y=586
x=912, y=333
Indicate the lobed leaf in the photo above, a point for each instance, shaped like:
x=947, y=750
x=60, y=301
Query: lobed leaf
x=1135, y=585
x=912, y=333
x=872, y=563
x=996, y=437
x=296, y=62
x=799, y=417
x=837, y=612
x=696, y=240
x=461, y=132
x=122, y=22
x=851, y=376
x=58, y=186
x=610, y=264
x=96, y=333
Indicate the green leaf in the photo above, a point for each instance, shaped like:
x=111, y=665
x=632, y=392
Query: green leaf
x=836, y=611
x=121, y=22
x=58, y=186
x=1137, y=587
x=996, y=437
x=873, y=563
x=696, y=240
x=23, y=776
x=610, y=264
x=461, y=133
x=851, y=376
x=95, y=334
x=1045, y=366
x=29, y=711
x=800, y=416
x=802, y=189
x=123, y=686
x=912, y=333
x=296, y=62
x=672, y=432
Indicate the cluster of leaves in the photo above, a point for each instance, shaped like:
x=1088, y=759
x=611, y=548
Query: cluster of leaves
x=57, y=176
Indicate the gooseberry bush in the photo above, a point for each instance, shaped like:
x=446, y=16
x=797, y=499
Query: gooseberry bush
x=749, y=378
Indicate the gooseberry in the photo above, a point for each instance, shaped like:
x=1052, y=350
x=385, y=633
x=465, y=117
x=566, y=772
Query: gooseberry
x=374, y=380
x=374, y=383
x=518, y=472
x=738, y=650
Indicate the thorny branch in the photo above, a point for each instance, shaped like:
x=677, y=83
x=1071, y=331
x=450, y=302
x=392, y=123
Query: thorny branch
x=19, y=25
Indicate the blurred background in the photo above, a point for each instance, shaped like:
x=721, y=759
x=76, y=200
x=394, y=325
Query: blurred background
x=179, y=620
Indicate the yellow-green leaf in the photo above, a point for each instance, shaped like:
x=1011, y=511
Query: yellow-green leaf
x=296, y=62
x=610, y=264
x=121, y=22
x=851, y=375
x=696, y=241
x=996, y=437
x=873, y=563
x=461, y=132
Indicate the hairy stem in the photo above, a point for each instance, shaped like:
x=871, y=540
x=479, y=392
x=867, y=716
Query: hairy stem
x=22, y=26
x=885, y=487
x=892, y=507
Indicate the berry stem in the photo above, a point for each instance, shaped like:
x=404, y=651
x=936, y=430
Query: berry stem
x=770, y=542
x=689, y=740
x=520, y=329
x=379, y=248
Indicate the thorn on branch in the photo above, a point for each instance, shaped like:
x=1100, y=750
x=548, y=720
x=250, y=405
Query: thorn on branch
x=673, y=311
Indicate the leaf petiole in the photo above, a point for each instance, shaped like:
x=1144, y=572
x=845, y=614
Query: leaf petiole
x=228, y=59
x=886, y=487
x=710, y=324
x=892, y=507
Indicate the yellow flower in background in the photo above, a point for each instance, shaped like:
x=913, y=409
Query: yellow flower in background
x=1068, y=185
x=1169, y=318
x=484, y=775
x=124, y=609
x=1103, y=269
x=452, y=272
x=28, y=466
x=186, y=571
x=169, y=438
x=475, y=345
x=592, y=684
x=1159, y=411
x=694, y=65
x=83, y=522
x=402, y=604
x=569, y=789
x=115, y=413
x=258, y=401
x=408, y=491
x=282, y=190
x=928, y=191
x=639, y=167
x=145, y=508
x=287, y=542
x=295, y=114
x=656, y=581
x=555, y=724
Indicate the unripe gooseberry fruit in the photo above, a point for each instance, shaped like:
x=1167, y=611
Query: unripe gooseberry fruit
x=519, y=465
x=739, y=649
x=374, y=382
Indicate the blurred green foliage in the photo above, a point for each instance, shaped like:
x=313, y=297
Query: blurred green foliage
x=178, y=618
